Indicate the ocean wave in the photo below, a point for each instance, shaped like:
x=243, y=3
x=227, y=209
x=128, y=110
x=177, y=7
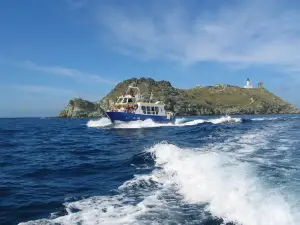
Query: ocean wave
x=281, y=118
x=265, y=118
x=210, y=179
x=102, y=122
x=225, y=119
x=231, y=188
x=105, y=122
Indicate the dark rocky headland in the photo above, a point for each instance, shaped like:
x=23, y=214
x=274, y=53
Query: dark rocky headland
x=211, y=100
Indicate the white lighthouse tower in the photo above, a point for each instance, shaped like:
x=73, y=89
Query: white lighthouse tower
x=248, y=84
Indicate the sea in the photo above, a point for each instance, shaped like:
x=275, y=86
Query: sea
x=234, y=170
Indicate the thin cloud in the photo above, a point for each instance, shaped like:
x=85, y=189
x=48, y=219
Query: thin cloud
x=240, y=35
x=39, y=89
x=62, y=71
x=76, y=4
x=54, y=70
x=42, y=90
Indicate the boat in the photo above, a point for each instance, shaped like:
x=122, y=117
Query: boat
x=132, y=107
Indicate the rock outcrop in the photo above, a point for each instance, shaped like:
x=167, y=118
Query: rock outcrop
x=78, y=107
x=211, y=100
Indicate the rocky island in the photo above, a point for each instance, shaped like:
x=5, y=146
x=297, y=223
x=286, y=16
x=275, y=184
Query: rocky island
x=220, y=99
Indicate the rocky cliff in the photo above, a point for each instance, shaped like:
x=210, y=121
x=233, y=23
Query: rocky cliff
x=78, y=107
x=211, y=100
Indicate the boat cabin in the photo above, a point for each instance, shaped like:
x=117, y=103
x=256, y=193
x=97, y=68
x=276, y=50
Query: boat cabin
x=150, y=109
x=129, y=104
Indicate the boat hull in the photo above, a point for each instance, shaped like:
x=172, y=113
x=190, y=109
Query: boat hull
x=127, y=117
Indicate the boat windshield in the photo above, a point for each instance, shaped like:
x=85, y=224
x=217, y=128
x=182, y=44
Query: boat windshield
x=125, y=100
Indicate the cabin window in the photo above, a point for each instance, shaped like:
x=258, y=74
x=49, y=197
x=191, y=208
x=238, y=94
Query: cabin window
x=130, y=100
x=156, y=110
x=148, y=110
x=120, y=100
x=125, y=100
x=152, y=110
x=144, y=109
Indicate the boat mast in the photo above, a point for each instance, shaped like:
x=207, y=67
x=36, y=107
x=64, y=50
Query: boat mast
x=151, y=97
x=138, y=95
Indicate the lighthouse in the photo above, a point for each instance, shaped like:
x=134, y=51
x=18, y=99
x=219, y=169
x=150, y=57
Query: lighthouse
x=248, y=84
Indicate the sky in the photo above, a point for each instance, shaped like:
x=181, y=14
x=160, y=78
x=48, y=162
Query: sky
x=53, y=51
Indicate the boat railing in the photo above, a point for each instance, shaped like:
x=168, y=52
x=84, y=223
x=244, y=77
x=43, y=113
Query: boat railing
x=124, y=107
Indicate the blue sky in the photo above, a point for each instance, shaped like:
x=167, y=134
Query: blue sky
x=52, y=51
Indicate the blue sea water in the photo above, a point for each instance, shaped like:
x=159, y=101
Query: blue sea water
x=201, y=170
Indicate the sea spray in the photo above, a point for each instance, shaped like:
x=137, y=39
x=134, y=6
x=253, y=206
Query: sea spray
x=102, y=122
x=181, y=122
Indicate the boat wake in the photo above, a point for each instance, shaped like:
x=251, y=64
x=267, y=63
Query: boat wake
x=102, y=122
x=105, y=122
x=200, y=184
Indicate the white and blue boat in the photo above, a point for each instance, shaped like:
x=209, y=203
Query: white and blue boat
x=131, y=107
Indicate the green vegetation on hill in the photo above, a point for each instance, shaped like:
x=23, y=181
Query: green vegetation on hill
x=211, y=100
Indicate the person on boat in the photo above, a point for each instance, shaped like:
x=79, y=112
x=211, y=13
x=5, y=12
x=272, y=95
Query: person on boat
x=131, y=109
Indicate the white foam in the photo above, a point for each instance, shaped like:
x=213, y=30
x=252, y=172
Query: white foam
x=103, y=122
x=229, y=186
x=181, y=120
x=150, y=123
x=225, y=119
x=213, y=175
x=190, y=123
x=265, y=118
x=139, y=124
